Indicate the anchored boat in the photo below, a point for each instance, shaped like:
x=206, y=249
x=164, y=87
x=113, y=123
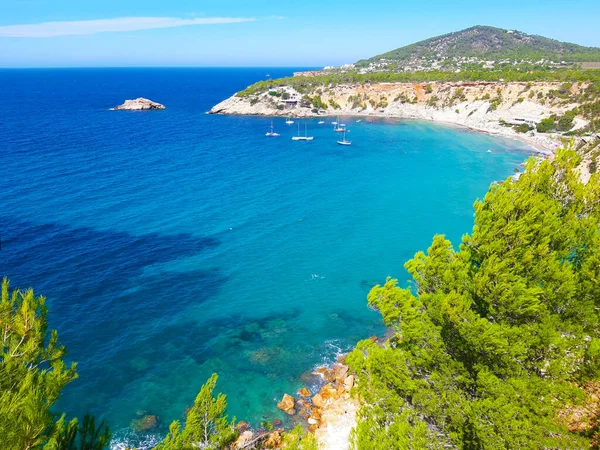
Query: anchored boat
x=306, y=137
x=344, y=141
x=271, y=133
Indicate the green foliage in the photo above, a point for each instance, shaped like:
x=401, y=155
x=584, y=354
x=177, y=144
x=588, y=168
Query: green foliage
x=318, y=102
x=72, y=436
x=307, y=85
x=522, y=128
x=32, y=375
x=490, y=43
x=206, y=425
x=546, y=125
x=494, y=338
x=298, y=439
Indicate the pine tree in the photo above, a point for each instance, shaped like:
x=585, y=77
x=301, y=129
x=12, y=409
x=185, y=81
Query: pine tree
x=493, y=339
x=206, y=424
x=32, y=375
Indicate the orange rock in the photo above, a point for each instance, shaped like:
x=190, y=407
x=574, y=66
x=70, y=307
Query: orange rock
x=340, y=370
x=287, y=404
x=304, y=392
x=318, y=401
x=329, y=375
x=242, y=426
x=328, y=393
x=243, y=439
x=274, y=440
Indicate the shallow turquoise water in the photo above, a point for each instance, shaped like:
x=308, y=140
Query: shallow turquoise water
x=174, y=244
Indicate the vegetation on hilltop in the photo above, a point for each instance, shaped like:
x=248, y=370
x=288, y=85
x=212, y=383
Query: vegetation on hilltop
x=495, y=341
x=488, y=43
x=307, y=85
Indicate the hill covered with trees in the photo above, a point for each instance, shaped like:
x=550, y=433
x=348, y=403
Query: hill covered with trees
x=480, y=44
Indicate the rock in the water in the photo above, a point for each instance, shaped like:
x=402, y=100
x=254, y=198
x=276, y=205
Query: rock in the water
x=144, y=423
x=304, y=392
x=287, y=404
x=139, y=104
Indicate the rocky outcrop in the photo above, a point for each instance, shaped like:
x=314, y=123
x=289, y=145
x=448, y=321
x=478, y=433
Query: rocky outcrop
x=287, y=404
x=304, y=392
x=139, y=104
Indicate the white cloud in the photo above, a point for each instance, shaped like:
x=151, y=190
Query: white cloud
x=78, y=27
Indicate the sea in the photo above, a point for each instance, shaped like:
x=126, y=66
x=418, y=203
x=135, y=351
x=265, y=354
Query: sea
x=174, y=244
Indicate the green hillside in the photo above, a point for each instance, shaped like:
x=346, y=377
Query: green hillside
x=489, y=43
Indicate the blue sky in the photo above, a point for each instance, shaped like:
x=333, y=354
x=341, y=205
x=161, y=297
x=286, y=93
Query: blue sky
x=259, y=33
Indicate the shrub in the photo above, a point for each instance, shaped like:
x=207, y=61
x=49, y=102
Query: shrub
x=546, y=125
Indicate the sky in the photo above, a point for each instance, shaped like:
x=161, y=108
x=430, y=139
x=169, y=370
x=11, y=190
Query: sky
x=307, y=33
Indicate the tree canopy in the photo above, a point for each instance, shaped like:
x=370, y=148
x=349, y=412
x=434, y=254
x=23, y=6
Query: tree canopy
x=206, y=425
x=493, y=340
x=33, y=373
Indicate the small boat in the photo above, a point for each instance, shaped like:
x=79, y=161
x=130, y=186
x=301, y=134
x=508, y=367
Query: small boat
x=306, y=137
x=271, y=133
x=339, y=129
x=289, y=121
x=321, y=122
x=359, y=121
x=335, y=122
x=344, y=141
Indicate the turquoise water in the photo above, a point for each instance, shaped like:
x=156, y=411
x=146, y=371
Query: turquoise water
x=174, y=244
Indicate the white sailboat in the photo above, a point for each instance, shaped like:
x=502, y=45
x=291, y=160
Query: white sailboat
x=289, y=121
x=344, y=142
x=306, y=137
x=321, y=122
x=271, y=133
x=335, y=122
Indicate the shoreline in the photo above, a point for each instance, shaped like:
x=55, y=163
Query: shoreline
x=493, y=108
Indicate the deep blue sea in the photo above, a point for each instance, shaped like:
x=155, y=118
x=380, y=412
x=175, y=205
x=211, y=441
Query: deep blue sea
x=173, y=244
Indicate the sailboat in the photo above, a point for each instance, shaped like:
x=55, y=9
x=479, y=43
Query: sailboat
x=271, y=133
x=306, y=137
x=335, y=122
x=344, y=142
x=321, y=122
x=289, y=121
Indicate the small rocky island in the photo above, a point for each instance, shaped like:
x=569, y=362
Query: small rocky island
x=139, y=104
